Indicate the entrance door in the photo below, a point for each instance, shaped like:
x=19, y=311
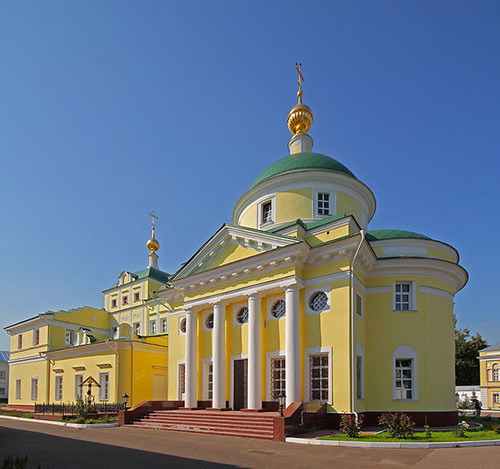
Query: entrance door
x=240, y=384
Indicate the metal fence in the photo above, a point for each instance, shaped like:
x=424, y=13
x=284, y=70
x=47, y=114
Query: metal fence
x=70, y=409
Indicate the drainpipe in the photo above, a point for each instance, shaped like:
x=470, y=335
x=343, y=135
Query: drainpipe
x=363, y=233
x=113, y=349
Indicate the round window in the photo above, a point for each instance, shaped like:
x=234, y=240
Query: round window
x=182, y=325
x=278, y=309
x=242, y=316
x=318, y=301
x=209, y=322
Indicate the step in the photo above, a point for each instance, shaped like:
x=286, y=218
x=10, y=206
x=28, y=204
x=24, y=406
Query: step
x=205, y=423
x=176, y=418
x=225, y=415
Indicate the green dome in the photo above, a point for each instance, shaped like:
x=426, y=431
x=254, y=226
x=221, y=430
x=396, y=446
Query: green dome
x=302, y=161
x=378, y=235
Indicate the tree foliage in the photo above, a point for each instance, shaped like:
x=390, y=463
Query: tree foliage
x=466, y=357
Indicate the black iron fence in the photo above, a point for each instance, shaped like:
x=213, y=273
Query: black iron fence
x=71, y=409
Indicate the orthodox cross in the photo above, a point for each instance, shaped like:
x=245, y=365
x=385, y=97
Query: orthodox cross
x=298, y=66
x=153, y=219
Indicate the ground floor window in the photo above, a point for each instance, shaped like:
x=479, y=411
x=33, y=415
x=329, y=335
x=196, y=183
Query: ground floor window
x=104, y=389
x=78, y=387
x=278, y=375
x=58, y=389
x=404, y=379
x=182, y=380
x=18, y=389
x=34, y=389
x=210, y=381
x=359, y=377
x=2, y=391
x=318, y=369
x=496, y=398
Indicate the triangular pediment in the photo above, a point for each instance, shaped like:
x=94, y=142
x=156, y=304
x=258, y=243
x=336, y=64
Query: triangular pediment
x=229, y=244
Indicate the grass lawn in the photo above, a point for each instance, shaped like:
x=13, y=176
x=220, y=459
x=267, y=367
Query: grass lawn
x=485, y=433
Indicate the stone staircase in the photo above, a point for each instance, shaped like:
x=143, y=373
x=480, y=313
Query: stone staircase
x=228, y=423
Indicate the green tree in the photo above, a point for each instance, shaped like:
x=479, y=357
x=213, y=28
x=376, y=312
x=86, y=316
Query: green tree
x=466, y=357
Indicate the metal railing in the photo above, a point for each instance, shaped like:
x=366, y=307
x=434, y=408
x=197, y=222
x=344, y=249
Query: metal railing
x=71, y=409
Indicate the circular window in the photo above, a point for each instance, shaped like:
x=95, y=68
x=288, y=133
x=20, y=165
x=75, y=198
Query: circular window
x=209, y=322
x=278, y=309
x=318, y=301
x=182, y=325
x=242, y=316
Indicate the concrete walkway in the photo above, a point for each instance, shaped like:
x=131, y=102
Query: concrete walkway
x=124, y=447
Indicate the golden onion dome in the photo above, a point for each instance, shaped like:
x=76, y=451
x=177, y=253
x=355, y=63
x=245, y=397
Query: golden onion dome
x=153, y=245
x=300, y=118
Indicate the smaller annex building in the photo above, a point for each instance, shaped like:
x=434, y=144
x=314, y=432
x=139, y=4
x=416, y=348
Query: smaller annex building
x=295, y=297
x=489, y=369
x=4, y=375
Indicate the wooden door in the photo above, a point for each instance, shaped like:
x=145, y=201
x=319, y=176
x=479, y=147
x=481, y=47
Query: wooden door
x=240, y=384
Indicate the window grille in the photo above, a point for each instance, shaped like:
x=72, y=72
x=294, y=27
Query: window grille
x=318, y=368
x=278, y=375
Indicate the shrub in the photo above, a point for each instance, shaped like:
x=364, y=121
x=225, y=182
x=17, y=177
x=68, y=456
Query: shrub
x=462, y=427
x=496, y=429
x=466, y=404
x=11, y=462
x=398, y=425
x=349, y=426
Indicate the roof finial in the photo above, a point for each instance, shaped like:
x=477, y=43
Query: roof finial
x=152, y=244
x=298, y=66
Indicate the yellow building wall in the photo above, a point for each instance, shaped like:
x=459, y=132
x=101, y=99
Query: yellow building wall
x=176, y=353
x=433, y=252
x=249, y=218
x=233, y=253
x=329, y=235
x=349, y=205
x=24, y=372
x=28, y=349
x=295, y=204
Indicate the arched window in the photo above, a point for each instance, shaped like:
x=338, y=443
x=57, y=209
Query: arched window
x=318, y=301
x=182, y=326
x=278, y=309
x=404, y=361
x=209, y=321
x=242, y=316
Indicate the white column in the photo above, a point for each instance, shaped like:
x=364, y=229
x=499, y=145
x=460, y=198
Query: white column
x=254, y=354
x=191, y=400
x=292, y=345
x=219, y=358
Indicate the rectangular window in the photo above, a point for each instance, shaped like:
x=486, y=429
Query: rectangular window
x=18, y=389
x=278, y=375
x=164, y=326
x=210, y=381
x=34, y=389
x=182, y=379
x=125, y=300
x=318, y=368
x=36, y=336
x=78, y=386
x=58, y=389
x=494, y=374
x=496, y=398
x=404, y=379
x=3, y=374
x=113, y=303
x=137, y=327
x=359, y=305
x=323, y=203
x=20, y=341
x=402, y=297
x=2, y=391
x=137, y=296
x=267, y=212
x=104, y=389
x=69, y=337
x=152, y=327
x=359, y=377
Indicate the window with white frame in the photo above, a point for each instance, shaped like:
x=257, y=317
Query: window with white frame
x=36, y=336
x=113, y=303
x=496, y=398
x=152, y=327
x=278, y=309
x=69, y=337
x=210, y=378
x=242, y=316
x=318, y=377
x=182, y=325
x=20, y=341
x=182, y=379
x=125, y=300
x=267, y=212
x=359, y=305
x=58, y=388
x=104, y=389
x=404, y=378
x=323, y=203
x=3, y=374
x=209, y=321
x=403, y=296
x=2, y=391
x=318, y=301
x=278, y=377
x=34, y=388
x=137, y=327
x=137, y=296
x=359, y=377
x=78, y=387
x=18, y=389
x=495, y=374
x=164, y=325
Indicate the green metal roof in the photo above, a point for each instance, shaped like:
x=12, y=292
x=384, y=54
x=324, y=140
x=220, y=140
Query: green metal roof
x=303, y=161
x=378, y=235
x=153, y=273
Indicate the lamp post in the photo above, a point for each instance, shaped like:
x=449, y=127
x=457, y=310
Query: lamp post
x=125, y=398
x=281, y=402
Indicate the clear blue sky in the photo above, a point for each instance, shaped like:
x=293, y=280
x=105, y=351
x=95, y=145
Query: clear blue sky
x=111, y=109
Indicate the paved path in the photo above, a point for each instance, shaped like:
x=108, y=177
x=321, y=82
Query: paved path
x=61, y=447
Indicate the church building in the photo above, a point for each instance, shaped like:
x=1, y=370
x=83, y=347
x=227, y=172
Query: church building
x=295, y=297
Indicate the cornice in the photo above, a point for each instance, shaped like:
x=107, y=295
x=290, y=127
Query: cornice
x=417, y=243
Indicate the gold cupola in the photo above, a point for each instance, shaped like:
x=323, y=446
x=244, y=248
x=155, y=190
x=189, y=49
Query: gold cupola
x=152, y=244
x=299, y=121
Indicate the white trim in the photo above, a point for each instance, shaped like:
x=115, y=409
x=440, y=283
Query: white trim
x=377, y=290
x=18, y=361
x=309, y=292
x=241, y=356
x=405, y=352
x=236, y=309
x=436, y=291
x=36, y=394
x=58, y=389
x=332, y=199
x=18, y=388
x=412, y=296
x=271, y=198
x=102, y=389
x=78, y=388
x=408, y=246
x=269, y=357
x=325, y=279
x=205, y=364
x=307, y=379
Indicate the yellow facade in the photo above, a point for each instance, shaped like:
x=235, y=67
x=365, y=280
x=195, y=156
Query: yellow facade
x=489, y=368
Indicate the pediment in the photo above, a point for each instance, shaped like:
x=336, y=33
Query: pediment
x=229, y=244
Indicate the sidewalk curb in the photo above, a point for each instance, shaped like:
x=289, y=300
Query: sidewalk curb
x=376, y=444
x=62, y=424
